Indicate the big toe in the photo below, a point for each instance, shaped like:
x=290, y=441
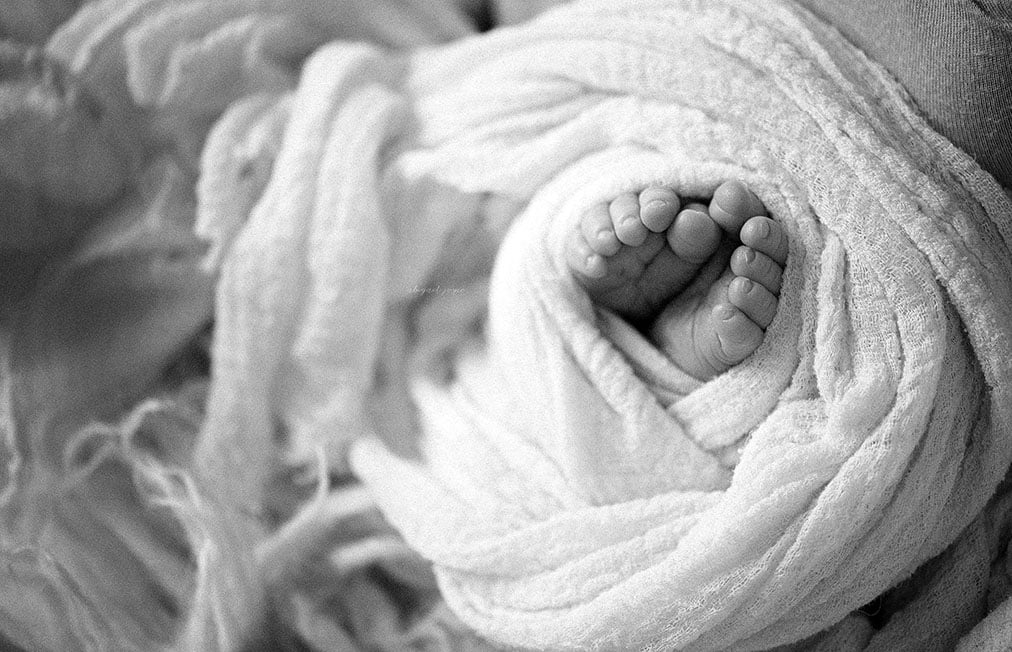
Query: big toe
x=694, y=236
x=733, y=204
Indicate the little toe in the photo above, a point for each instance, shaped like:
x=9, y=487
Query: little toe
x=582, y=259
x=732, y=204
x=694, y=237
x=766, y=235
x=737, y=336
x=597, y=230
x=758, y=267
x=625, y=217
x=753, y=299
x=658, y=207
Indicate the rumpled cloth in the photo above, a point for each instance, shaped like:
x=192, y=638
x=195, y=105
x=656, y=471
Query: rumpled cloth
x=573, y=488
x=109, y=537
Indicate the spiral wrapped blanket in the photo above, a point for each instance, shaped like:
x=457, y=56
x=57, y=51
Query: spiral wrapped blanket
x=572, y=488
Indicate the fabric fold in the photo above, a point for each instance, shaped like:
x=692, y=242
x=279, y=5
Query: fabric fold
x=85, y=506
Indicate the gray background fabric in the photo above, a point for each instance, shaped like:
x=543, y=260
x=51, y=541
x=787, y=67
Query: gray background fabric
x=953, y=56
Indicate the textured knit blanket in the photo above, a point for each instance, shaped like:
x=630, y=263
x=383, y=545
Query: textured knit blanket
x=574, y=490
x=571, y=487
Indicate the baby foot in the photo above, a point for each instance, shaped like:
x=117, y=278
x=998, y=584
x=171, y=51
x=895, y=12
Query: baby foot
x=634, y=254
x=721, y=319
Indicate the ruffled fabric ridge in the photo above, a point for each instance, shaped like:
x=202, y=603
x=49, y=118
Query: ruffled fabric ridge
x=589, y=509
x=112, y=537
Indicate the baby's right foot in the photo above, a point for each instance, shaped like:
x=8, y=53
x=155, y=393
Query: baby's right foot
x=722, y=318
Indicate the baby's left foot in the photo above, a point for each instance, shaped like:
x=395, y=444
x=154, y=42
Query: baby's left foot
x=634, y=254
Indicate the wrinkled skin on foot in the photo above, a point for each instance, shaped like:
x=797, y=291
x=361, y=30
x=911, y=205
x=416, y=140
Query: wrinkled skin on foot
x=702, y=280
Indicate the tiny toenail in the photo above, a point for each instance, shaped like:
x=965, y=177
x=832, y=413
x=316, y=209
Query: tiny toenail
x=657, y=204
x=628, y=218
x=745, y=284
x=749, y=255
x=590, y=261
x=603, y=234
x=763, y=228
x=724, y=312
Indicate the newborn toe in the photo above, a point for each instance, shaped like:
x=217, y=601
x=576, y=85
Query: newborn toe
x=737, y=336
x=733, y=204
x=625, y=217
x=753, y=299
x=582, y=259
x=598, y=232
x=658, y=208
x=758, y=267
x=766, y=235
x=694, y=237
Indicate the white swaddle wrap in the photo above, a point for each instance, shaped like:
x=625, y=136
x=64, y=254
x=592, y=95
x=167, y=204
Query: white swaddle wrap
x=574, y=489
